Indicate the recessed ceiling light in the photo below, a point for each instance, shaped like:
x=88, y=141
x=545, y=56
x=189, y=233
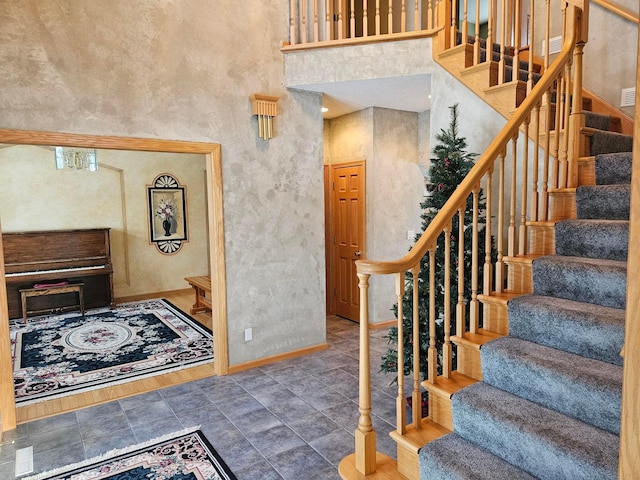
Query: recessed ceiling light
x=325, y=109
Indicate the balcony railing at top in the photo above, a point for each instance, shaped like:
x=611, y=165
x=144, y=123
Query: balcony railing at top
x=315, y=22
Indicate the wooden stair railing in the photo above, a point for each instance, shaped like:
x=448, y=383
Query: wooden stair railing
x=516, y=173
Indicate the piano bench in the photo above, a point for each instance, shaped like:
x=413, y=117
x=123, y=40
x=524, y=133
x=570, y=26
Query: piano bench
x=202, y=287
x=26, y=293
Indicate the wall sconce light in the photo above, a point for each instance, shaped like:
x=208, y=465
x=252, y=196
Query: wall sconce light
x=76, y=158
x=265, y=107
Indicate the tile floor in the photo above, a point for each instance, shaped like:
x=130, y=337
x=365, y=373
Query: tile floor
x=291, y=420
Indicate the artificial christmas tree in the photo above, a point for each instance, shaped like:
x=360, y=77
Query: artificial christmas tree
x=448, y=168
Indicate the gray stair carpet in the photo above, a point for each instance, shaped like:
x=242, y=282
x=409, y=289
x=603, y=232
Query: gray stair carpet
x=589, y=280
x=468, y=461
x=605, y=239
x=592, y=331
x=583, y=388
x=613, y=168
x=549, y=404
x=604, y=201
x=610, y=142
x=539, y=440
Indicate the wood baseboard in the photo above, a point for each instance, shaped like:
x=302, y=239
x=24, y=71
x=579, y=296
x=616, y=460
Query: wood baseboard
x=277, y=358
x=149, y=296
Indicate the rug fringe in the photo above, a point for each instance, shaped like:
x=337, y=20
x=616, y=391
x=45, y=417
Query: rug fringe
x=111, y=453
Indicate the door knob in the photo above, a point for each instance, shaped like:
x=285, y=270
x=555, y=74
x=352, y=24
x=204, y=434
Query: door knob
x=357, y=253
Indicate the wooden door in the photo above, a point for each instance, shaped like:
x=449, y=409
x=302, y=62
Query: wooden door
x=348, y=230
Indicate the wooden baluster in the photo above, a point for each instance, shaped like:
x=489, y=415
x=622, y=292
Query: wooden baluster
x=432, y=354
x=516, y=40
x=316, y=27
x=547, y=34
x=303, y=28
x=340, y=21
x=417, y=24
x=365, y=435
x=522, y=233
x=460, y=310
x=390, y=18
x=454, y=25
x=531, y=44
x=536, y=165
x=365, y=19
x=352, y=20
x=577, y=115
x=447, y=349
x=474, y=305
x=511, y=245
x=490, y=30
x=544, y=210
x=488, y=266
x=401, y=416
x=416, y=396
x=500, y=233
x=465, y=22
x=293, y=15
x=328, y=8
x=377, y=17
x=555, y=167
x=564, y=152
x=476, y=39
x=502, y=39
x=403, y=17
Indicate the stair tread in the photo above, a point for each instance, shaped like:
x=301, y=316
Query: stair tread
x=445, y=387
x=537, y=439
x=589, y=330
x=583, y=388
x=475, y=340
x=437, y=461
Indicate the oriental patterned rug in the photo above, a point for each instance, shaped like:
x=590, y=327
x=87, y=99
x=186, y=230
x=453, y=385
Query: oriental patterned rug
x=180, y=456
x=65, y=354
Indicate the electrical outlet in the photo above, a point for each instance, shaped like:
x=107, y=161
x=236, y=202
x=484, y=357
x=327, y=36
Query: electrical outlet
x=248, y=334
x=411, y=234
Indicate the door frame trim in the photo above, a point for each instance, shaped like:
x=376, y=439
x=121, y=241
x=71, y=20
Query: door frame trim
x=212, y=152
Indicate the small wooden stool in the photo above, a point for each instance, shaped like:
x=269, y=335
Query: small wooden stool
x=202, y=287
x=56, y=290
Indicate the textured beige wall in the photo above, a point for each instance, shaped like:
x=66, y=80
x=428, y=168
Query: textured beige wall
x=185, y=70
x=36, y=196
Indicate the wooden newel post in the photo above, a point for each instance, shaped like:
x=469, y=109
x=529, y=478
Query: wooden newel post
x=365, y=434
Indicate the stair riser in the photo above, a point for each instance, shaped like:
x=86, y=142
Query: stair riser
x=541, y=239
x=494, y=316
x=607, y=202
x=440, y=410
x=580, y=282
x=408, y=462
x=597, y=334
x=469, y=362
x=613, y=168
x=607, y=240
x=534, y=372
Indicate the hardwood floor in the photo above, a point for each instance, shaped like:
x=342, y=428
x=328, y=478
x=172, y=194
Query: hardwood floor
x=183, y=300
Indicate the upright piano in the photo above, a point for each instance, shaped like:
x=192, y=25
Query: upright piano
x=82, y=255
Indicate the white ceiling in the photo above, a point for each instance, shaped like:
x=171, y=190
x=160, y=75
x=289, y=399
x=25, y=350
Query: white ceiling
x=408, y=93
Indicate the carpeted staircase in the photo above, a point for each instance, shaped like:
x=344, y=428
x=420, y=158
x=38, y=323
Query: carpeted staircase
x=549, y=403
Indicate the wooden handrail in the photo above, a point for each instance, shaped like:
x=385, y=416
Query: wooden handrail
x=619, y=10
x=472, y=180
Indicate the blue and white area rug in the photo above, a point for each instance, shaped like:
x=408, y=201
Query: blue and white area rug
x=180, y=456
x=65, y=354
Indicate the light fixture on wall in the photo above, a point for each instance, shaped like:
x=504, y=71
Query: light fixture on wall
x=265, y=107
x=76, y=158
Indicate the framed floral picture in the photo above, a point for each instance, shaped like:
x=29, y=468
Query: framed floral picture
x=167, y=213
